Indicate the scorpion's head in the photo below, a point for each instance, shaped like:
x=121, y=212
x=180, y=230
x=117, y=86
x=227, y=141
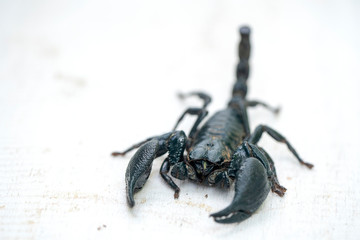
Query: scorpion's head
x=207, y=155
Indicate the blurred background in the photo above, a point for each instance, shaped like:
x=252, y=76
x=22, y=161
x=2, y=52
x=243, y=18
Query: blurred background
x=80, y=79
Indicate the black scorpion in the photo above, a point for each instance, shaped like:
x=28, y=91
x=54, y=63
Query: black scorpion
x=221, y=151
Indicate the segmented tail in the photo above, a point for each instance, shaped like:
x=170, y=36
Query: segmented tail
x=242, y=70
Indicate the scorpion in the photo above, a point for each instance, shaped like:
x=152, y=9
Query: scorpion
x=219, y=152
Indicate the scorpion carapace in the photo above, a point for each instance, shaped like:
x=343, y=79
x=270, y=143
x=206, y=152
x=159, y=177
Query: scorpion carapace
x=221, y=151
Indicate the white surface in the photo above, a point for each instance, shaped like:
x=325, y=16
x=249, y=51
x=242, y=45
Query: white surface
x=81, y=79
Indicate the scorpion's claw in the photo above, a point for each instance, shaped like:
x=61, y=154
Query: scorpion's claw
x=139, y=169
x=251, y=189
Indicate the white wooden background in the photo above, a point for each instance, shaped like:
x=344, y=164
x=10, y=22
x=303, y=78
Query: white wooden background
x=80, y=79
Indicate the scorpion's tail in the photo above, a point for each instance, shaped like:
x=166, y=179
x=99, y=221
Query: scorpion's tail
x=242, y=70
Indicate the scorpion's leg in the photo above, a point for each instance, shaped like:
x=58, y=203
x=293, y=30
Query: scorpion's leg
x=275, y=185
x=255, y=137
x=256, y=103
x=254, y=177
x=179, y=169
x=200, y=112
x=139, y=167
x=205, y=97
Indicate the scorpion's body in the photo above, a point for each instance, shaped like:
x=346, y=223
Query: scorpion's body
x=215, y=143
x=222, y=150
x=224, y=127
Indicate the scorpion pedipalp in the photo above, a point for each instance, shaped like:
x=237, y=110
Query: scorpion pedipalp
x=251, y=189
x=139, y=169
x=140, y=164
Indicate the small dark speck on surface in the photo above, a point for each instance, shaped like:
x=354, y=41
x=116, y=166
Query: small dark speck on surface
x=101, y=227
x=206, y=196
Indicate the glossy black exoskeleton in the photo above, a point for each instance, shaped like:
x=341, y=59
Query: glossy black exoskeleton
x=219, y=152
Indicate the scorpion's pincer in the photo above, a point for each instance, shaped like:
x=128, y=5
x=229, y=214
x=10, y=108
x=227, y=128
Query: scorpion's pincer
x=139, y=169
x=251, y=189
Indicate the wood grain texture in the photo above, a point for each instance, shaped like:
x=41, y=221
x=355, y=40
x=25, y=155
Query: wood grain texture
x=79, y=80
